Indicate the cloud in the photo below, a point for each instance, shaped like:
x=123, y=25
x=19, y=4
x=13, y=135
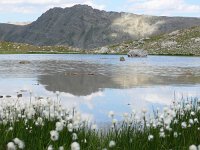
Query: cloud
x=39, y=6
x=163, y=7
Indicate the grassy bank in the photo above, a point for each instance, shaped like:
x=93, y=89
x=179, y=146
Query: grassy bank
x=42, y=124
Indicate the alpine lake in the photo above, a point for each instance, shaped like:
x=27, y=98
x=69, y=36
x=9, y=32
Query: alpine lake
x=96, y=84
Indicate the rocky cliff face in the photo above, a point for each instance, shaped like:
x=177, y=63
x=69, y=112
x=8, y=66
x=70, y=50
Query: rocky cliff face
x=84, y=27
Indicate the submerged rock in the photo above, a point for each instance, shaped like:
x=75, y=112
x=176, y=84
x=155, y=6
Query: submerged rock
x=122, y=58
x=137, y=53
x=24, y=62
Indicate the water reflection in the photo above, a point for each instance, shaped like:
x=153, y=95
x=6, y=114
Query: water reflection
x=81, y=83
x=97, y=84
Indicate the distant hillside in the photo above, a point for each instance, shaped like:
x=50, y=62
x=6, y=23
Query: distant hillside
x=84, y=27
x=179, y=42
x=22, y=48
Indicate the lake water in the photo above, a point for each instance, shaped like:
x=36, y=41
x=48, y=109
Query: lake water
x=96, y=84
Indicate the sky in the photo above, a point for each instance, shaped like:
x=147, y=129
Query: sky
x=30, y=10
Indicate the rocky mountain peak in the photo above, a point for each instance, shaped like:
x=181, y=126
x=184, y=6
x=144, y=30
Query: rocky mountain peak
x=84, y=27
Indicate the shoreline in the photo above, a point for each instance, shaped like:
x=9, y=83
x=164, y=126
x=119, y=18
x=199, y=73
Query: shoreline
x=78, y=53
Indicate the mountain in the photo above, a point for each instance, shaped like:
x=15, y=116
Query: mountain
x=179, y=42
x=82, y=26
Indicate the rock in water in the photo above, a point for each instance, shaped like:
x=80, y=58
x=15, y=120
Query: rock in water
x=24, y=62
x=122, y=58
x=137, y=53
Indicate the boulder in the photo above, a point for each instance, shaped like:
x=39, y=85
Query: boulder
x=137, y=53
x=104, y=50
x=122, y=58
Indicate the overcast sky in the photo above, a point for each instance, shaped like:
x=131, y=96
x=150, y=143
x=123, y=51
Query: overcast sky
x=30, y=10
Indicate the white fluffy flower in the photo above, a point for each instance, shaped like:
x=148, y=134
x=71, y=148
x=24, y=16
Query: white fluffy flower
x=54, y=135
x=75, y=146
x=74, y=136
x=94, y=127
x=59, y=126
x=11, y=146
x=114, y=121
x=144, y=110
x=192, y=147
x=61, y=148
x=150, y=137
x=175, y=134
x=112, y=144
x=70, y=127
x=196, y=120
x=20, y=143
x=111, y=114
x=183, y=125
x=191, y=121
x=39, y=121
x=192, y=113
x=162, y=134
x=50, y=147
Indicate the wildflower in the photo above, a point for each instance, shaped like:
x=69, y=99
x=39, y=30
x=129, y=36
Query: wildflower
x=112, y=144
x=192, y=147
x=162, y=134
x=39, y=121
x=111, y=114
x=133, y=111
x=175, y=121
x=11, y=146
x=54, y=135
x=198, y=108
x=196, y=120
x=70, y=127
x=59, y=126
x=191, y=121
x=94, y=127
x=50, y=147
x=188, y=107
x=165, y=109
x=61, y=148
x=144, y=110
x=125, y=115
x=183, y=124
x=10, y=128
x=150, y=137
x=114, y=121
x=75, y=146
x=19, y=142
x=192, y=113
x=85, y=141
x=175, y=134
x=74, y=136
x=198, y=147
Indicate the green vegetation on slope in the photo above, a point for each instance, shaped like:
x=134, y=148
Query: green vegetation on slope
x=21, y=48
x=179, y=42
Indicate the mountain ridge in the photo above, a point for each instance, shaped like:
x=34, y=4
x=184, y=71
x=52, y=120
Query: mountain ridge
x=83, y=27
